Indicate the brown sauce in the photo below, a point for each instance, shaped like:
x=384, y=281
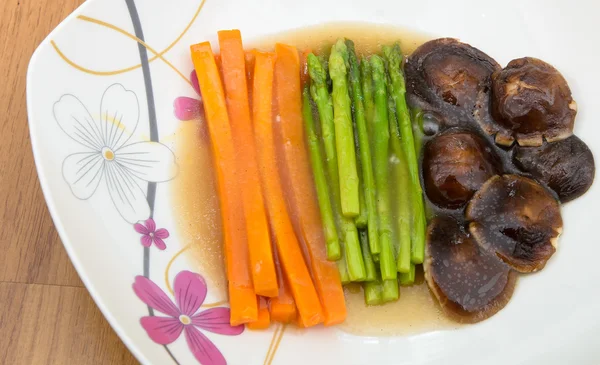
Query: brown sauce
x=196, y=202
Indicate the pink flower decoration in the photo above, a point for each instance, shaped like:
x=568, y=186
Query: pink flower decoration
x=183, y=316
x=189, y=108
x=151, y=235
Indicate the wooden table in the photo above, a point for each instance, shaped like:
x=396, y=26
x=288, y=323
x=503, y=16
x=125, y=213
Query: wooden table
x=46, y=314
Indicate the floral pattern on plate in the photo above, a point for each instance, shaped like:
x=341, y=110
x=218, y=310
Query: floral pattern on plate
x=108, y=155
x=185, y=316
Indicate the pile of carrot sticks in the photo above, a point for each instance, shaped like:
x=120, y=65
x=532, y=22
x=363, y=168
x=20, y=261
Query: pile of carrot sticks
x=275, y=252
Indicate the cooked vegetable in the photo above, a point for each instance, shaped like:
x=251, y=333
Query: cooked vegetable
x=393, y=56
x=566, y=166
x=323, y=194
x=487, y=284
x=451, y=79
x=531, y=101
x=236, y=93
x=242, y=298
x=366, y=79
x=381, y=136
x=282, y=307
x=455, y=165
x=408, y=278
x=288, y=100
x=390, y=291
x=264, y=318
x=366, y=164
x=350, y=246
x=344, y=135
x=370, y=270
x=289, y=104
x=363, y=217
x=400, y=175
x=373, y=292
x=516, y=219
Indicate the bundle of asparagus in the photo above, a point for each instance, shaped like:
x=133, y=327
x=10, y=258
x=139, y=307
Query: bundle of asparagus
x=365, y=168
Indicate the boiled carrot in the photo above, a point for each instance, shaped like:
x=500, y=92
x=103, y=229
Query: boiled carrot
x=264, y=318
x=302, y=198
x=282, y=307
x=233, y=60
x=242, y=298
x=288, y=247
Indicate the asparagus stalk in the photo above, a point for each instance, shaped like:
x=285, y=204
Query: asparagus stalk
x=381, y=136
x=323, y=195
x=366, y=164
x=390, y=291
x=350, y=245
x=344, y=136
x=343, y=267
x=373, y=291
x=402, y=181
x=408, y=278
x=367, y=88
x=393, y=56
x=370, y=270
x=363, y=217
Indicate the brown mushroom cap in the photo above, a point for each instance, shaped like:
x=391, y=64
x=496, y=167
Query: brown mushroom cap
x=455, y=165
x=517, y=219
x=452, y=79
x=530, y=100
x=469, y=283
x=566, y=166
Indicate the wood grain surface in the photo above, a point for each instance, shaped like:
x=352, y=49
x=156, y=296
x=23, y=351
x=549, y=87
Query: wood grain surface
x=46, y=314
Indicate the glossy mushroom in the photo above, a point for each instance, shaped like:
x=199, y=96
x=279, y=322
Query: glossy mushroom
x=530, y=101
x=469, y=283
x=566, y=166
x=452, y=79
x=455, y=165
x=517, y=219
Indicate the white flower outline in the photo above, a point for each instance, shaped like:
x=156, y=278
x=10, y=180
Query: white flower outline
x=108, y=156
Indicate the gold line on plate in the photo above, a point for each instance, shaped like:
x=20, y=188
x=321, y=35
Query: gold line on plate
x=129, y=35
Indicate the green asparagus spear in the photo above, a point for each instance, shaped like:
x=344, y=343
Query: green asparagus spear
x=321, y=97
x=401, y=180
x=323, y=195
x=381, y=136
x=408, y=278
x=370, y=270
x=367, y=88
x=366, y=164
x=373, y=291
x=363, y=218
x=348, y=233
x=390, y=292
x=393, y=56
x=344, y=136
x=342, y=266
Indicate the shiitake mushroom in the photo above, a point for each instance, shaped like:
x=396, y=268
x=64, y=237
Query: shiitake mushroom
x=517, y=219
x=530, y=101
x=452, y=79
x=566, y=166
x=455, y=165
x=469, y=283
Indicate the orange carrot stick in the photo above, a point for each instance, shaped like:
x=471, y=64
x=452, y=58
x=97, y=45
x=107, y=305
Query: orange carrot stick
x=283, y=307
x=303, y=196
x=288, y=247
x=233, y=60
x=264, y=318
x=242, y=297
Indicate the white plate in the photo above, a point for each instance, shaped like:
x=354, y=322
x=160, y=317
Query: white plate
x=553, y=317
